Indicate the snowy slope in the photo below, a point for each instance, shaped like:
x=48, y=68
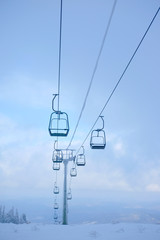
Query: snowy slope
x=120, y=231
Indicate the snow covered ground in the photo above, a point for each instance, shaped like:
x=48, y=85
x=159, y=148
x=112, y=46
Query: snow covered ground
x=119, y=231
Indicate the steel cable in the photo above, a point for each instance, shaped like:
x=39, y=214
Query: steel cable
x=94, y=71
x=123, y=73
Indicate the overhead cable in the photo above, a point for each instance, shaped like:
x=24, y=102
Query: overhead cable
x=123, y=73
x=94, y=70
x=59, y=62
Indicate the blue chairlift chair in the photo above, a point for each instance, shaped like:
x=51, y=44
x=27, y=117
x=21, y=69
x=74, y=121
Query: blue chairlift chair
x=73, y=171
x=69, y=194
x=56, y=189
x=59, y=122
x=57, y=156
x=56, y=205
x=98, y=138
x=56, y=166
x=80, y=159
x=55, y=216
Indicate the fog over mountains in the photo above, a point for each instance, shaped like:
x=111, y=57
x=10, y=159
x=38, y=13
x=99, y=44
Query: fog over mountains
x=40, y=210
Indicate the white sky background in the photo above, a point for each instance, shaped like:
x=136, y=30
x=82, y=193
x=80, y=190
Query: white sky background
x=28, y=77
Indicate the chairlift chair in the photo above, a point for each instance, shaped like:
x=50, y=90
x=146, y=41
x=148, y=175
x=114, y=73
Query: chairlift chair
x=56, y=205
x=69, y=194
x=55, y=215
x=80, y=159
x=73, y=172
x=59, y=123
x=98, y=138
x=56, y=166
x=56, y=221
x=57, y=156
x=56, y=189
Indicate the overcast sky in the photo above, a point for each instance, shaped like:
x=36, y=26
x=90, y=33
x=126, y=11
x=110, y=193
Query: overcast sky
x=130, y=162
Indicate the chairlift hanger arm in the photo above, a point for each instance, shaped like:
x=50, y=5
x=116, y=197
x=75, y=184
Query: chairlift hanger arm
x=55, y=144
x=99, y=129
x=54, y=96
x=83, y=150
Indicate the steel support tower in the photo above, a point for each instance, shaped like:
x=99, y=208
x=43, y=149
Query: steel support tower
x=67, y=156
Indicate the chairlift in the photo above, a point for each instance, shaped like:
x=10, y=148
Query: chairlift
x=56, y=189
x=56, y=166
x=56, y=205
x=98, y=138
x=59, y=123
x=55, y=215
x=73, y=171
x=80, y=159
x=69, y=194
x=57, y=156
x=56, y=221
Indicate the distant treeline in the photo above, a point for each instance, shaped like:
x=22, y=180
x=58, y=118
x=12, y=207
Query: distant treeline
x=12, y=216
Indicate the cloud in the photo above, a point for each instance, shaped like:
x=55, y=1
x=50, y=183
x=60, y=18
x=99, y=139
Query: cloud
x=27, y=167
x=15, y=136
x=152, y=178
x=25, y=157
x=153, y=188
x=101, y=176
x=116, y=143
x=25, y=91
x=119, y=149
x=26, y=164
